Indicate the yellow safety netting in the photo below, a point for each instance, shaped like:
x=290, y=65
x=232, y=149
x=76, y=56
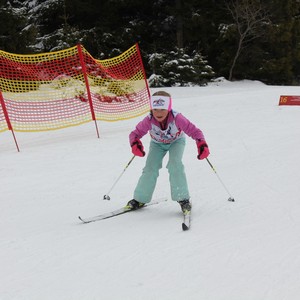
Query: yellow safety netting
x=69, y=87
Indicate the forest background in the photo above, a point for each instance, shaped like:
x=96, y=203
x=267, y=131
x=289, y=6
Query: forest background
x=183, y=42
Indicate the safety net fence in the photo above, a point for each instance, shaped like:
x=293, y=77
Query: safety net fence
x=55, y=90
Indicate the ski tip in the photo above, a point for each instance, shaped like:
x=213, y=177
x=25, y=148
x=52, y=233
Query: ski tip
x=83, y=221
x=184, y=227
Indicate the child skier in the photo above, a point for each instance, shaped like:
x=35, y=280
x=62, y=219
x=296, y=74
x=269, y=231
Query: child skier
x=167, y=129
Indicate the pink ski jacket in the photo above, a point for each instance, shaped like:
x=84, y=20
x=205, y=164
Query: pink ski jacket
x=177, y=127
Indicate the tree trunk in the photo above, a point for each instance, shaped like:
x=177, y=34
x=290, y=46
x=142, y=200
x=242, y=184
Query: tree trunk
x=179, y=24
x=237, y=54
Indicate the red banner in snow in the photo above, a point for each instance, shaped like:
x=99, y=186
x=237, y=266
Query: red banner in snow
x=289, y=100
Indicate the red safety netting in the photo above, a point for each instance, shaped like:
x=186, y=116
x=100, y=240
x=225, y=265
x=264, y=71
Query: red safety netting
x=66, y=88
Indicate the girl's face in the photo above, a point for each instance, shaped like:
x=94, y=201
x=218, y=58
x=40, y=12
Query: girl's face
x=160, y=114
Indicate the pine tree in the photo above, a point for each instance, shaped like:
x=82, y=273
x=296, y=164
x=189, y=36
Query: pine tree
x=16, y=33
x=280, y=63
x=178, y=68
x=108, y=27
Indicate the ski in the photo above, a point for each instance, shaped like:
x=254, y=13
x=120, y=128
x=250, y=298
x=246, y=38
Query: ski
x=186, y=224
x=116, y=212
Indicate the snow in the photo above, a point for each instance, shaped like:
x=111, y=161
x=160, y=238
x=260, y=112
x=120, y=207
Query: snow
x=248, y=249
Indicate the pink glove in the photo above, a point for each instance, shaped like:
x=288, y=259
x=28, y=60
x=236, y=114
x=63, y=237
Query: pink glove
x=137, y=148
x=203, y=150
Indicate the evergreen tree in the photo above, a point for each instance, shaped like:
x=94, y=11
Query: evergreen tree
x=282, y=45
x=178, y=68
x=16, y=33
x=108, y=27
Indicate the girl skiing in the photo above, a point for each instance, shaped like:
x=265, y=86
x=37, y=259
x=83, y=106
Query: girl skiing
x=167, y=129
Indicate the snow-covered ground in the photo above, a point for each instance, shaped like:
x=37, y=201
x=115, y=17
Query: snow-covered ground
x=246, y=250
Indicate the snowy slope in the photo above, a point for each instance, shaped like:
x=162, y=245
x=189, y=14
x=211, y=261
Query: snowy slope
x=247, y=250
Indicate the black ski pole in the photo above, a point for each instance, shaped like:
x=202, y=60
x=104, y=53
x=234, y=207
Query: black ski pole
x=230, y=197
x=106, y=196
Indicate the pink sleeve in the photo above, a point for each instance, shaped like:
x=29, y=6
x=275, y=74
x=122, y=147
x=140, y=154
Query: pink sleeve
x=140, y=130
x=189, y=128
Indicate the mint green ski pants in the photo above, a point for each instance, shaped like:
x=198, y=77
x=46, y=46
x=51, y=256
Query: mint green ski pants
x=178, y=183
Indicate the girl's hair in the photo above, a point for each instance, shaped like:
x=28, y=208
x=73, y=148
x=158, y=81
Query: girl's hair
x=161, y=93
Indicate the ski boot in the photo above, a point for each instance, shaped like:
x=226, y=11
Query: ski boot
x=133, y=204
x=185, y=206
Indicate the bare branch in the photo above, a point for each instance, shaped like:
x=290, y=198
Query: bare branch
x=249, y=17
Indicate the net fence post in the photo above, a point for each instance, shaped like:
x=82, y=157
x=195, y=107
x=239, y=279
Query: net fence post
x=83, y=67
x=9, y=126
x=143, y=68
